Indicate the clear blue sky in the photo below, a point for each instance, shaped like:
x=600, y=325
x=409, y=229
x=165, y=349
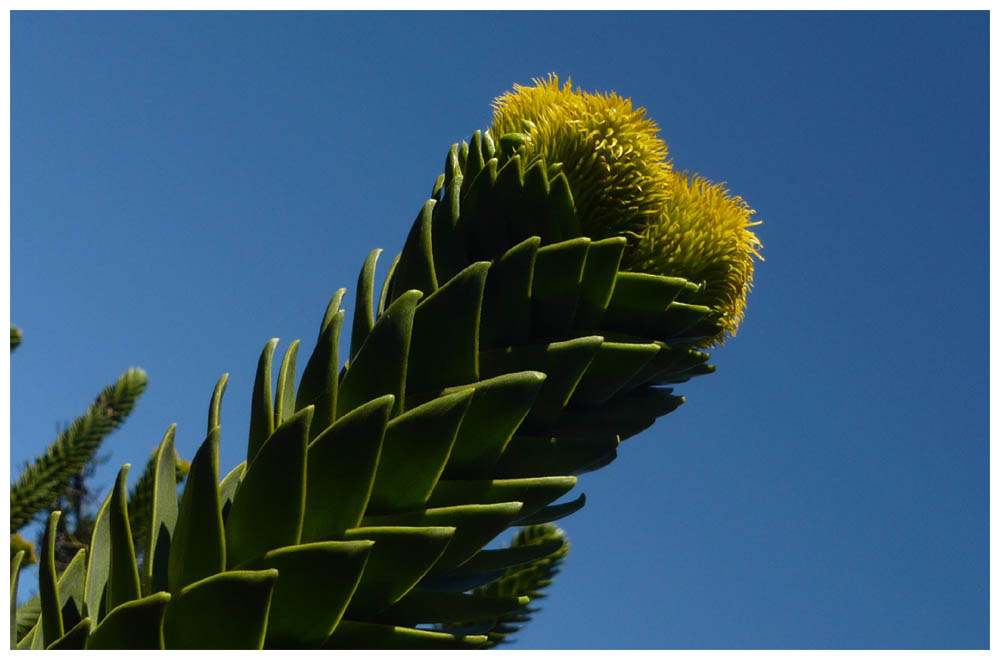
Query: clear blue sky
x=185, y=186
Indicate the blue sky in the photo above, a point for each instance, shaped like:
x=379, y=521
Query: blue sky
x=185, y=186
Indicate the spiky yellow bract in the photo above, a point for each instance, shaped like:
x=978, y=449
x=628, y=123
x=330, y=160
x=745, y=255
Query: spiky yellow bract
x=702, y=235
x=611, y=156
x=676, y=223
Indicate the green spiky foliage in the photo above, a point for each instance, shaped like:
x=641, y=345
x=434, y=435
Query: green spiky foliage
x=47, y=477
x=69, y=541
x=529, y=580
x=57, y=479
x=505, y=354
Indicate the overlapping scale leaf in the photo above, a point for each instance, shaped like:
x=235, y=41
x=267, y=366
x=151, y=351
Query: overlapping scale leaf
x=534, y=494
x=506, y=307
x=539, y=456
x=614, y=365
x=497, y=559
x=75, y=638
x=555, y=288
x=269, y=503
x=51, y=621
x=164, y=507
x=553, y=512
x=448, y=250
x=340, y=470
x=98, y=565
x=364, y=303
x=528, y=579
x=261, y=406
x=71, y=586
x=671, y=364
x=475, y=526
x=498, y=407
x=225, y=611
x=415, y=449
x=70, y=590
x=380, y=365
x=459, y=301
x=621, y=417
x=321, y=376
x=416, y=263
x=198, y=544
x=123, y=578
x=600, y=274
x=227, y=489
x=400, y=557
x=564, y=364
x=134, y=625
x=284, y=397
x=315, y=584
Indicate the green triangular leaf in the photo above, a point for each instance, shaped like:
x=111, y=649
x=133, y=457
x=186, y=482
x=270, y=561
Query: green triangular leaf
x=445, y=338
x=555, y=288
x=132, y=626
x=227, y=489
x=215, y=406
x=614, y=365
x=198, y=547
x=269, y=503
x=51, y=619
x=364, y=301
x=564, y=363
x=164, y=512
x=533, y=493
x=446, y=243
x=498, y=407
x=284, y=401
x=379, y=368
x=227, y=611
x=75, y=638
x=539, y=456
x=506, y=315
x=504, y=558
x=71, y=584
x=475, y=526
x=123, y=580
x=320, y=378
x=416, y=262
x=414, y=452
x=98, y=565
x=599, y=275
x=315, y=584
x=261, y=408
x=553, y=512
x=638, y=299
x=340, y=470
x=400, y=557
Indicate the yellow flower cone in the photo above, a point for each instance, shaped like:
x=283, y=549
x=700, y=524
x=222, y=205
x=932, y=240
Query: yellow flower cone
x=676, y=223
